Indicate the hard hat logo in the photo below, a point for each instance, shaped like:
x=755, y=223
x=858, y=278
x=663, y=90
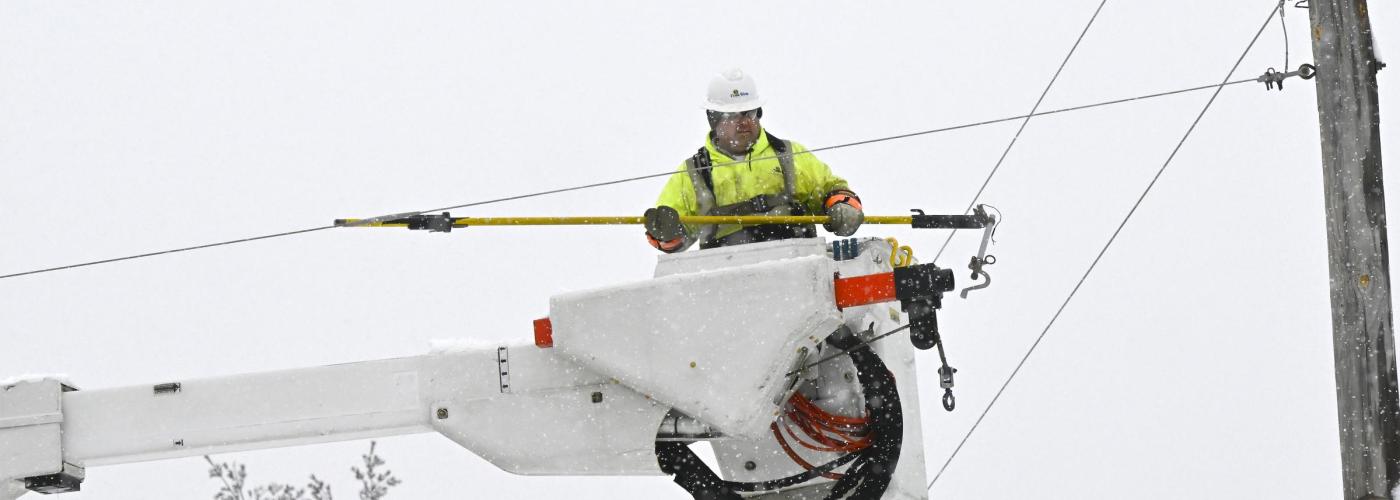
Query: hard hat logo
x=738, y=93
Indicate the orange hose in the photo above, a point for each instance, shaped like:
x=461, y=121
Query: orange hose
x=798, y=458
x=830, y=432
x=806, y=406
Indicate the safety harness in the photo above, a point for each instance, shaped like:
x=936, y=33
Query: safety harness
x=700, y=169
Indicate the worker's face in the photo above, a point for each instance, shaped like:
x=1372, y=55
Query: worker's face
x=737, y=132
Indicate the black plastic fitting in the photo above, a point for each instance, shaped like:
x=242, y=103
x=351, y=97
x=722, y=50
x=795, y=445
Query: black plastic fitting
x=920, y=290
x=433, y=223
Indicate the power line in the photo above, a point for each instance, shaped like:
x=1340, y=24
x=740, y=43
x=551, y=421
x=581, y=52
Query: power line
x=1009, y=145
x=838, y=146
x=1103, y=250
x=1007, y=119
x=643, y=177
x=163, y=252
x=1283, y=26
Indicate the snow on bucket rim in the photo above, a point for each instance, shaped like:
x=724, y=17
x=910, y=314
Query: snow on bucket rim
x=62, y=378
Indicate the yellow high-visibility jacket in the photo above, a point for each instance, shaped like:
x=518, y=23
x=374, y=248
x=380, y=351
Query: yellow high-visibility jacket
x=758, y=173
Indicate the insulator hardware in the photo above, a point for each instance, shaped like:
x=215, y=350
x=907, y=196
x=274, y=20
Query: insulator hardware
x=1272, y=78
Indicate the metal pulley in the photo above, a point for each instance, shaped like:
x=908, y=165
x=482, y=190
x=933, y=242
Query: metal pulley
x=945, y=379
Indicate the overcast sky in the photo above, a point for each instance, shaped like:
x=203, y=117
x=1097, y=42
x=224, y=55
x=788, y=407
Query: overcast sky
x=1195, y=363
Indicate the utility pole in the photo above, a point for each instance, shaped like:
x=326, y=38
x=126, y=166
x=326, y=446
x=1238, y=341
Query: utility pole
x=1363, y=342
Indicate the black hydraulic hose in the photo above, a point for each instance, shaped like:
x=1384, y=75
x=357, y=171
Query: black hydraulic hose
x=874, y=466
x=871, y=475
x=793, y=479
x=690, y=473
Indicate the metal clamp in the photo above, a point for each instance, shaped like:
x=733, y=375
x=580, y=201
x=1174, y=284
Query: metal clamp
x=795, y=372
x=981, y=260
x=1271, y=77
x=976, y=265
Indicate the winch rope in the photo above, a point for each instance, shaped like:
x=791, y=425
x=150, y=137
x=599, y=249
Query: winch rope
x=1102, y=251
x=844, y=351
x=1022, y=128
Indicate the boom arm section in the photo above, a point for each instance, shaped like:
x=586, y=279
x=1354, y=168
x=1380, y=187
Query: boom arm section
x=233, y=413
x=524, y=409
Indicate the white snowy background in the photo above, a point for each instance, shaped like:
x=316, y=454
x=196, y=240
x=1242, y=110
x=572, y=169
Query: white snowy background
x=1195, y=363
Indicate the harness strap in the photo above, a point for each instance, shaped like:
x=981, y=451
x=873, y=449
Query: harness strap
x=785, y=161
x=785, y=203
x=699, y=168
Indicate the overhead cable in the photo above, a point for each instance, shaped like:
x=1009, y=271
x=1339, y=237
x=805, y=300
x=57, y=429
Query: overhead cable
x=1103, y=250
x=1034, y=108
x=637, y=178
x=163, y=252
x=1283, y=26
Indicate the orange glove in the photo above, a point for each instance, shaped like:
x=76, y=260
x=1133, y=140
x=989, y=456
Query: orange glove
x=843, y=208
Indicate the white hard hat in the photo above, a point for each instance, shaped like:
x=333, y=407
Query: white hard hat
x=733, y=91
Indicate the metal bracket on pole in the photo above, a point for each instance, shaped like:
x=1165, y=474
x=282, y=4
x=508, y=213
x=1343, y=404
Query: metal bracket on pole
x=1272, y=78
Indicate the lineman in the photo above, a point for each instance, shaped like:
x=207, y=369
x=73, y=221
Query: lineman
x=744, y=170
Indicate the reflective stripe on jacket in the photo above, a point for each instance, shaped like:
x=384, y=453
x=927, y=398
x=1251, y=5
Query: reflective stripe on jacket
x=758, y=173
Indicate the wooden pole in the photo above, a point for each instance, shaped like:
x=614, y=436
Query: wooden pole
x=1363, y=340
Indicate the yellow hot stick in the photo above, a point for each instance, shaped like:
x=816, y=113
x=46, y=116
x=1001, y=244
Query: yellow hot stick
x=624, y=220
